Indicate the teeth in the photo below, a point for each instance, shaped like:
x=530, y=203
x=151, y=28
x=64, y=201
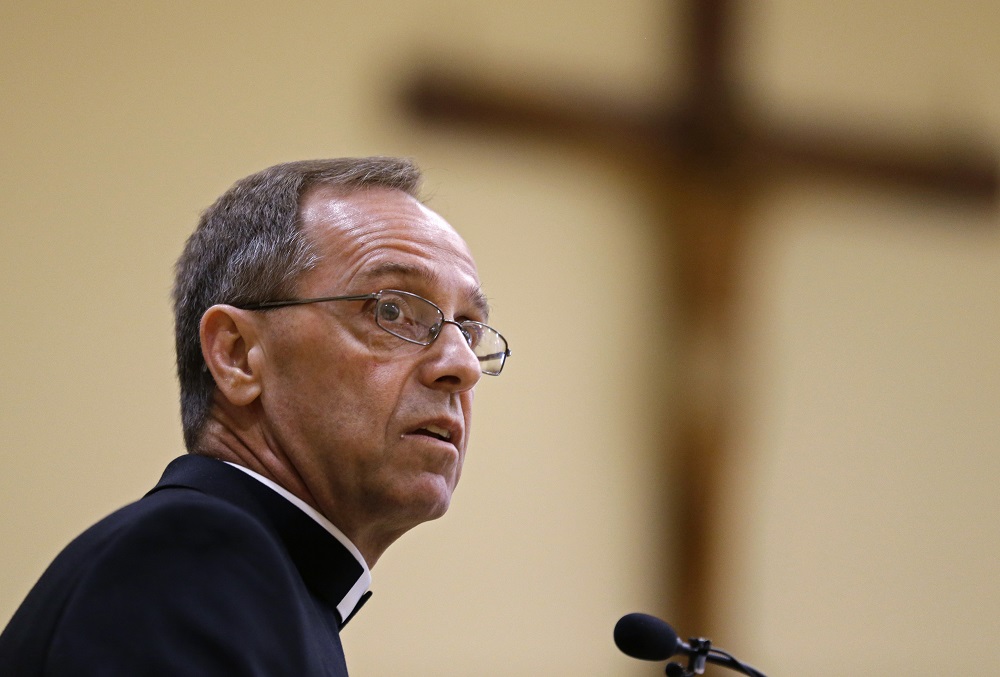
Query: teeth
x=437, y=430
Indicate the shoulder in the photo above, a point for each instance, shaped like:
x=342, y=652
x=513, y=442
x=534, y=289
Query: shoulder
x=176, y=537
x=185, y=579
x=179, y=517
x=167, y=526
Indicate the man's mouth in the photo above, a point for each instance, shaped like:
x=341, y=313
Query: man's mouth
x=435, y=431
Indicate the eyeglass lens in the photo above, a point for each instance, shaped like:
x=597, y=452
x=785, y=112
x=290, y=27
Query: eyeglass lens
x=415, y=319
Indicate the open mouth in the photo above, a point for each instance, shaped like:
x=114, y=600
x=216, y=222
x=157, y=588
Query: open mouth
x=437, y=432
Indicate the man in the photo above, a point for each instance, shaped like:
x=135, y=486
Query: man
x=330, y=332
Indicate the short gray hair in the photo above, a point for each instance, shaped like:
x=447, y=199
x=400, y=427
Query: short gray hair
x=249, y=247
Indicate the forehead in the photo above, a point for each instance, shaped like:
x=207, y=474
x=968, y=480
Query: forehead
x=377, y=238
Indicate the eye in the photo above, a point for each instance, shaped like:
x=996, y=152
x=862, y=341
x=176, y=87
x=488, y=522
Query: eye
x=469, y=336
x=389, y=311
x=407, y=316
x=397, y=313
x=473, y=332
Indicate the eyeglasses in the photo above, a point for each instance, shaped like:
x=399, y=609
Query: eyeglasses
x=417, y=320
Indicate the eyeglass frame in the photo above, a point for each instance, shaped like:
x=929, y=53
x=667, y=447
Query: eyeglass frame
x=377, y=296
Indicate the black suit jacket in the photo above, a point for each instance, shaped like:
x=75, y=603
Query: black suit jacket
x=210, y=573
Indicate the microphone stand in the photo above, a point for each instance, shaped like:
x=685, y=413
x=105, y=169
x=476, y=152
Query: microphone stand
x=699, y=652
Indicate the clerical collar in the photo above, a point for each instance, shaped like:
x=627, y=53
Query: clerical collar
x=349, y=604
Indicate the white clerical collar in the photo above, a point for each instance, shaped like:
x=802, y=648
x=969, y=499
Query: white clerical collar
x=350, y=601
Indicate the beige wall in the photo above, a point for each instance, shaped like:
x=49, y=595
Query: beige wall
x=865, y=522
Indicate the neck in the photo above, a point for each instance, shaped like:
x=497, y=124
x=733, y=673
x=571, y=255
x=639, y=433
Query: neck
x=228, y=437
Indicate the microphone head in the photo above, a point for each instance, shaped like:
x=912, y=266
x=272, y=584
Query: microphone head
x=646, y=637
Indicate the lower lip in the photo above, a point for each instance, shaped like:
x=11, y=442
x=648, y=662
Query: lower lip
x=428, y=438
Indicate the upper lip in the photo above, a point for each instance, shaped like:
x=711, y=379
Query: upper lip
x=448, y=428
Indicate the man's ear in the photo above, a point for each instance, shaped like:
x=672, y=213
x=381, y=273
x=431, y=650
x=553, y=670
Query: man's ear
x=228, y=337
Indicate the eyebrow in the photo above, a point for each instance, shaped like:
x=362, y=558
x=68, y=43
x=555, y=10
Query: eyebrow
x=476, y=296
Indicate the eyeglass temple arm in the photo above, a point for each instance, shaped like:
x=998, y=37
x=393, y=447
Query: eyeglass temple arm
x=301, y=302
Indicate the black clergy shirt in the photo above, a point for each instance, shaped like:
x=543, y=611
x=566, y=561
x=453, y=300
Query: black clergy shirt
x=210, y=573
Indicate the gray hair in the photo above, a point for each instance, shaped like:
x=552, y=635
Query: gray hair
x=249, y=247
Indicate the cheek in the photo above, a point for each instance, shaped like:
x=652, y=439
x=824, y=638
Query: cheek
x=371, y=391
x=346, y=386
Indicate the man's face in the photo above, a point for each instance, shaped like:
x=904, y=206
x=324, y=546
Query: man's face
x=357, y=412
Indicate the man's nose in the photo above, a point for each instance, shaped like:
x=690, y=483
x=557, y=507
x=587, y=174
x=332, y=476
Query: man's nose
x=454, y=364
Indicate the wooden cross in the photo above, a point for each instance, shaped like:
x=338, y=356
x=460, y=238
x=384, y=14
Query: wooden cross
x=702, y=160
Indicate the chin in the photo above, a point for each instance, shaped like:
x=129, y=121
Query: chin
x=430, y=499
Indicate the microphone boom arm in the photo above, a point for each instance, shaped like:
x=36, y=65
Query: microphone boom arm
x=649, y=638
x=699, y=652
x=727, y=660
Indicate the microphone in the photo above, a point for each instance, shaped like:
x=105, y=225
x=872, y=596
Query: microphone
x=650, y=639
x=647, y=638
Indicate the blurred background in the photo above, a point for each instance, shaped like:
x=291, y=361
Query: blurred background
x=860, y=523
